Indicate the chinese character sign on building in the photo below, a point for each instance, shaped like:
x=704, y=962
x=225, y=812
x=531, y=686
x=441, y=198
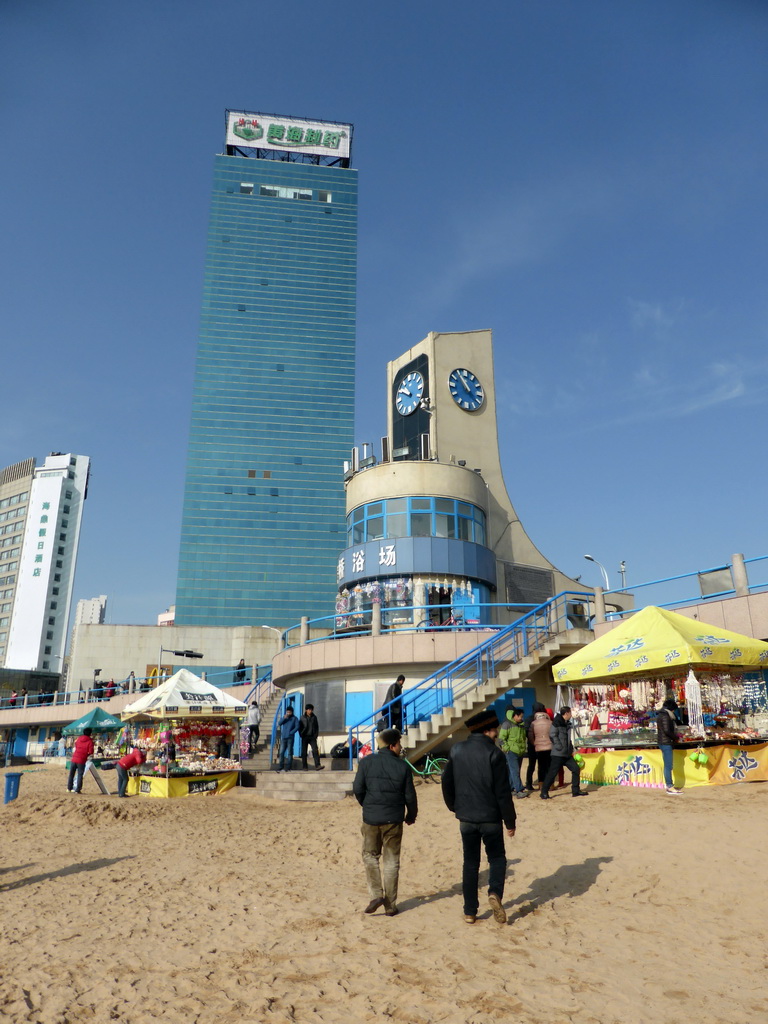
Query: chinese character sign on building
x=262, y=131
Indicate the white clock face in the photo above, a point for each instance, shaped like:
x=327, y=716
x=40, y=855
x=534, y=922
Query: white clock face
x=409, y=392
x=466, y=389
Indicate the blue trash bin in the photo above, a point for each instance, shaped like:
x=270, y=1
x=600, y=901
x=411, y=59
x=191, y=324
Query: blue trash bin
x=12, y=780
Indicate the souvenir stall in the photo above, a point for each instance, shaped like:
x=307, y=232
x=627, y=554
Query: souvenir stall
x=105, y=729
x=183, y=726
x=617, y=684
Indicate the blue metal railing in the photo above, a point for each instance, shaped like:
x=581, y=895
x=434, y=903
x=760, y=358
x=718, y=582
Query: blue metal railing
x=358, y=623
x=443, y=688
x=687, y=600
x=107, y=690
x=262, y=689
x=278, y=716
x=414, y=618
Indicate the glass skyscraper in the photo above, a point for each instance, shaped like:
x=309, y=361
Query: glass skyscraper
x=273, y=404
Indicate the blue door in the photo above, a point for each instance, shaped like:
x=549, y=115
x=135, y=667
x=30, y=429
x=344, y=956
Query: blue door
x=20, y=739
x=357, y=706
x=296, y=701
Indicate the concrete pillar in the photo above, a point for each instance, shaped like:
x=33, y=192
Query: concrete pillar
x=599, y=604
x=304, y=630
x=740, y=578
x=376, y=620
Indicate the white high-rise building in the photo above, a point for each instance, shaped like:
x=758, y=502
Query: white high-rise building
x=43, y=569
x=91, y=611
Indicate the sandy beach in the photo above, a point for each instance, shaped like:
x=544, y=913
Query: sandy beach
x=627, y=907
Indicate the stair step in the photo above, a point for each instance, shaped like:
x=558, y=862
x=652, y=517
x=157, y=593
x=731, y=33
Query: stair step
x=299, y=785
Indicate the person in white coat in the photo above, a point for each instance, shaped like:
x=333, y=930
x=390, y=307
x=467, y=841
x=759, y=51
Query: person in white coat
x=253, y=721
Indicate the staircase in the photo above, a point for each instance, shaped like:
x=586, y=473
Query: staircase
x=440, y=705
x=426, y=735
x=262, y=758
x=310, y=785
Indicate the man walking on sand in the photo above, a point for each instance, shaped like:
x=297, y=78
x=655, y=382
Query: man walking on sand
x=476, y=788
x=384, y=787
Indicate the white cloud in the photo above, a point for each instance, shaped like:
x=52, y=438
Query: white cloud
x=679, y=392
x=518, y=227
x=654, y=316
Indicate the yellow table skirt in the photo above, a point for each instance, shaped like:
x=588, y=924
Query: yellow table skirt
x=194, y=785
x=644, y=769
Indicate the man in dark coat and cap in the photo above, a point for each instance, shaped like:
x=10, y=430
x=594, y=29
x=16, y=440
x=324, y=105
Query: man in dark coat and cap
x=476, y=788
x=384, y=788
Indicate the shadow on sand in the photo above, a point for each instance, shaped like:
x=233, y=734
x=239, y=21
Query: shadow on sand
x=73, y=869
x=569, y=880
x=420, y=901
x=20, y=867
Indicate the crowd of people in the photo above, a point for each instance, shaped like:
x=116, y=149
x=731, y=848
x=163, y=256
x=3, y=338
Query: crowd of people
x=545, y=740
x=483, y=775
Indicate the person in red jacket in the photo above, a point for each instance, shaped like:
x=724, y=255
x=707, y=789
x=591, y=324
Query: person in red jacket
x=132, y=760
x=81, y=753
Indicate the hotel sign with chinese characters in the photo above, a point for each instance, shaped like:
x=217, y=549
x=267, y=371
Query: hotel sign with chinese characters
x=262, y=131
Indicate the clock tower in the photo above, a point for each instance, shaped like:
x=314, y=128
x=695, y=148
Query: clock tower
x=431, y=526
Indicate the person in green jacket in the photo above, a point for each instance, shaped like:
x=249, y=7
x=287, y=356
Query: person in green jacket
x=514, y=742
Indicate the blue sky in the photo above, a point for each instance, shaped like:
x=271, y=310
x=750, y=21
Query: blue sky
x=586, y=178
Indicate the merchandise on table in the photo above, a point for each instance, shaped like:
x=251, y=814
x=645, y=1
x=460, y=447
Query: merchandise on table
x=187, y=766
x=715, y=706
x=193, y=744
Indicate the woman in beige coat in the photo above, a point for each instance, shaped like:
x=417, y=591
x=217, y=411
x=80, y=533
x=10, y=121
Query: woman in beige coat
x=538, y=737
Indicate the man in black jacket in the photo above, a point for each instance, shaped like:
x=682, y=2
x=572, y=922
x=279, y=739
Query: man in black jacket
x=562, y=755
x=476, y=788
x=384, y=787
x=309, y=728
x=395, y=709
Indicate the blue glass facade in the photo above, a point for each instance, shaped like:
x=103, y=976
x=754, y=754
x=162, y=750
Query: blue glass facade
x=416, y=516
x=273, y=405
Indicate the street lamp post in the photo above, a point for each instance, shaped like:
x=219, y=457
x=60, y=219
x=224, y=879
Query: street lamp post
x=279, y=635
x=178, y=654
x=589, y=558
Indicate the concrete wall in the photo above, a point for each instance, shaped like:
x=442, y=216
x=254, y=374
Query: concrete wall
x=416, y=655
x=746, y=615
x=118, y=650
x=398, y=479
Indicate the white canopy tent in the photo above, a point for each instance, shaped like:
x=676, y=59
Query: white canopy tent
x=185, y=695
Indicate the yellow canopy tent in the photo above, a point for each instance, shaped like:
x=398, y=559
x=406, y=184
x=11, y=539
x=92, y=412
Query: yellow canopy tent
x=655, y=641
